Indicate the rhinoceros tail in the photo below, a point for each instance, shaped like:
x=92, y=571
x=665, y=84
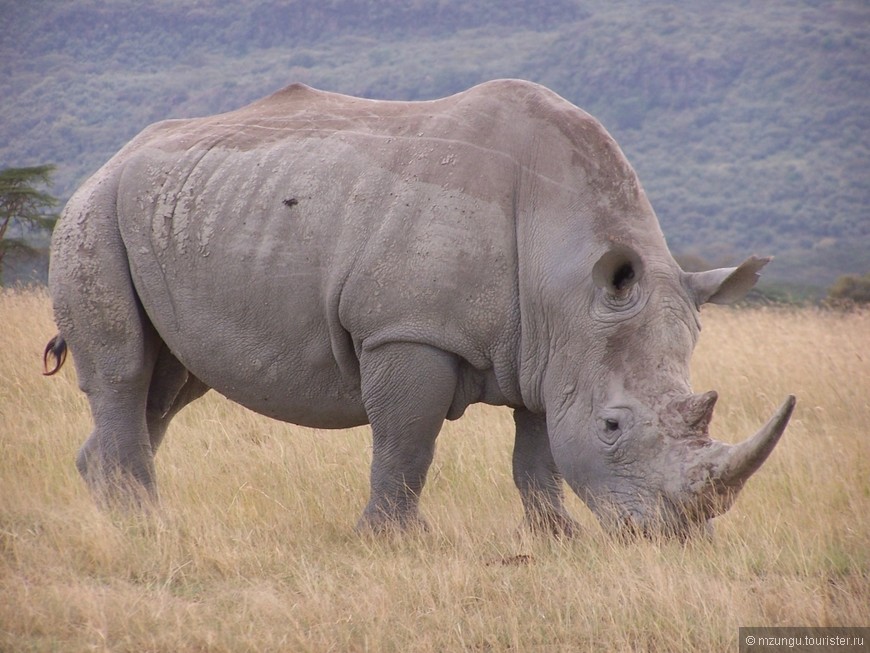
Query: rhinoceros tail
x=56, y=348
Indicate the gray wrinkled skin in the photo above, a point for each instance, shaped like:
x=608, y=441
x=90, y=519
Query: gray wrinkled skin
x=333, y=261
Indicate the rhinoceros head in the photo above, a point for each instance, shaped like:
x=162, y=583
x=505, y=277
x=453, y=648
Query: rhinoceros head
x=631, y=439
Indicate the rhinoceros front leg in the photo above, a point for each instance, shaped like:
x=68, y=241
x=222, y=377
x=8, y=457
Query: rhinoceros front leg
x=537, y=477
x=407, y=389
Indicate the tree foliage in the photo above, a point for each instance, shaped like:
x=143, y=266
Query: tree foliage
x=23, y=207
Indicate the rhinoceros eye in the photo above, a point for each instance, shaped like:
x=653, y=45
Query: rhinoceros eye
x=611, y=430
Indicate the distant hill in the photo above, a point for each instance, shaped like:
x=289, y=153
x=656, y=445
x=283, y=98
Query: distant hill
x=748, y=122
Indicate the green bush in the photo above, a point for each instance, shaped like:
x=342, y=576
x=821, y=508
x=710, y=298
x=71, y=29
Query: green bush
x=851, y=288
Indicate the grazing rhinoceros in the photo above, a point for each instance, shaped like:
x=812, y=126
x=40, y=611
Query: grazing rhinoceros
x=333, y=261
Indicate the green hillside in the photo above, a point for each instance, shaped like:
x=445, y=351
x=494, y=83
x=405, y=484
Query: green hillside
x=748, y=122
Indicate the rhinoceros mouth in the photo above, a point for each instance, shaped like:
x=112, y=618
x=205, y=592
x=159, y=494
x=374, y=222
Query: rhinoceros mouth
x=662, y=520
x=682, y=531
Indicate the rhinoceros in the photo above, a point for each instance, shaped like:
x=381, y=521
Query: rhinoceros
x=332, y=261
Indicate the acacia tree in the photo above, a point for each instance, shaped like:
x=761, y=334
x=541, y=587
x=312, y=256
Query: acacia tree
x=22, y=204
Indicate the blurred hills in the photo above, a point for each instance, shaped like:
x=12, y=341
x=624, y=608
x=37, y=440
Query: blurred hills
x=748, y=122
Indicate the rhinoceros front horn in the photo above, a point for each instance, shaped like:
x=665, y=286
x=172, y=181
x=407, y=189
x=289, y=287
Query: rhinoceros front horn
x=742, y=460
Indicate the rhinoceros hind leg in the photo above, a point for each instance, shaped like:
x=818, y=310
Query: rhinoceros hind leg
x=118, y=465
x=407, y=389
x=114, y=347
x=172, y=388
x=117, y=460
x=537, y=477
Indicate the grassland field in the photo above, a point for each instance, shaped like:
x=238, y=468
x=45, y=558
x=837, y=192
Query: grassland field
x=254, y=549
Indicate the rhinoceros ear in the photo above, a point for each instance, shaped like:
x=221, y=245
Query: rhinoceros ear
x=617, y=271
x=724, y=285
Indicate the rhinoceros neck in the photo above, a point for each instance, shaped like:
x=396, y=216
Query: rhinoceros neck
x=561, y=233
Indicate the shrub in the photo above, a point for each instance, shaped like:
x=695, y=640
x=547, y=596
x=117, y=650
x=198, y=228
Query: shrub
x=851, y=288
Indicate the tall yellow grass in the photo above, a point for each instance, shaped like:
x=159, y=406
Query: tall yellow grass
x=254, y=548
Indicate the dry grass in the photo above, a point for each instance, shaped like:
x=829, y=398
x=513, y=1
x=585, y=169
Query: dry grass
x=254, y=549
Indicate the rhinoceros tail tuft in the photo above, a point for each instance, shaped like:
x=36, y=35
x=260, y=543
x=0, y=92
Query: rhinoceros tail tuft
x=56, y=348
